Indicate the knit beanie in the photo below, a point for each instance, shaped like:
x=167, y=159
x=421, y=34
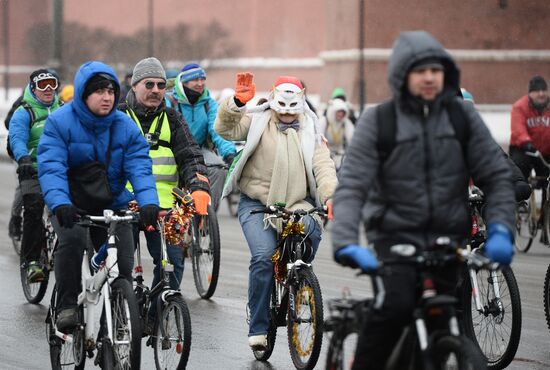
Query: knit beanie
x=191, y=72
x=148, y=68
x=538, y=83
x=100, y=81
x=426, y=63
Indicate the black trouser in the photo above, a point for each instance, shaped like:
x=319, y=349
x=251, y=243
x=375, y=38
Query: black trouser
x=33, y=226
x=526, y=163
x=68, y=256
x=383, y=327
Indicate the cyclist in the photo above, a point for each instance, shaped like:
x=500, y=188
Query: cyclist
x=530, y=129
x=284, y=160
x=417, y=191
x=176, y=156
x=26, y=126
x=337, y=129
x=84, y=132
x=192, y=99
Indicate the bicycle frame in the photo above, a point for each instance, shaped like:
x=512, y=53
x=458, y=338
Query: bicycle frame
x=95, y=294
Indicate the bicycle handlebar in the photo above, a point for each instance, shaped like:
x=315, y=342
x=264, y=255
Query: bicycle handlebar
x=109, y=216
x=279, y=211
x=538, y=154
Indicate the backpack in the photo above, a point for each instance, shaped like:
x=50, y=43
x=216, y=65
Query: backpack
x=16, y=104
x=386, y=122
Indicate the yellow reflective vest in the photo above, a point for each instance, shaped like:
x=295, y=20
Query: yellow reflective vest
x=165, y=169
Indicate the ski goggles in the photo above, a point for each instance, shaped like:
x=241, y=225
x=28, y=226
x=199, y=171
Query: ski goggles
x=42, y=85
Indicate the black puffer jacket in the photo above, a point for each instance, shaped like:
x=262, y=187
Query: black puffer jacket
x=420, y=191
x=186, y=151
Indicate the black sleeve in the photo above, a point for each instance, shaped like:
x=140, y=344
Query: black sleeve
x=522, y=188
x=187, y=153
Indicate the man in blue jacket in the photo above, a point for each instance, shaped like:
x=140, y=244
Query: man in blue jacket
x=192, y=99
x=88, y=129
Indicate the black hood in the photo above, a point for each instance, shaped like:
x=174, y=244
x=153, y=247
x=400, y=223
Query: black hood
x=411, y=47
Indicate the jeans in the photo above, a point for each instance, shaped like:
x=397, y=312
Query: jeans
x=262, y=243
x=33, y=227
x=68, y=256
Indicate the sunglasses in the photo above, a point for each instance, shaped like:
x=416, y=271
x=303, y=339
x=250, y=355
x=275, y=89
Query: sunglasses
x=42, y=85
x=150, y=84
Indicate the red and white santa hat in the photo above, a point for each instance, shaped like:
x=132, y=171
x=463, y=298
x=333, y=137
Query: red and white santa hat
x=288, y=83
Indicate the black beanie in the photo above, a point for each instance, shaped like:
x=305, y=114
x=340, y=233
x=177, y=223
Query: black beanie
x=100, y=81
x=538, y=83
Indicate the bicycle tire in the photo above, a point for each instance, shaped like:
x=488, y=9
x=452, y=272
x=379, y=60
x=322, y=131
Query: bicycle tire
x=181, y=322
x=308, y=297
x=489, y=330
x=546, y=297
x=271, y=337
x=205, y=255
x=62, y=354
x=123, y=306
x=335, y=353
x=34, y=292
x=468, y=356
x=526, y=225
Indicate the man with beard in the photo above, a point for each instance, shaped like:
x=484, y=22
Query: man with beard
x=531, y=128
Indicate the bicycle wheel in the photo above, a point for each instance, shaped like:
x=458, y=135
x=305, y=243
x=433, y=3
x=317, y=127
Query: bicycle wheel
x=526, y=224
x=271, y=337
x=35, y=291
x=205, y=254
x=126, y=346
x=305, y=321
x=172, y=335
x=335, y=353
x=497, y=328
x=64, y=354
x=459, y=353
x=546, y=296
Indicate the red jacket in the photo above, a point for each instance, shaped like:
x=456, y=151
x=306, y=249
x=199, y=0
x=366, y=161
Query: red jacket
x=530, y=125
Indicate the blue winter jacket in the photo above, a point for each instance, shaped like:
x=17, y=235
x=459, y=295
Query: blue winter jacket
x=201, y=122
x=70, y=136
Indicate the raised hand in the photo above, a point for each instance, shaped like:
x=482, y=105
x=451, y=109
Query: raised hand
x=245, y=88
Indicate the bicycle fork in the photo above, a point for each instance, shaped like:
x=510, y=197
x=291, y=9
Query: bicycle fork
x=493, y=282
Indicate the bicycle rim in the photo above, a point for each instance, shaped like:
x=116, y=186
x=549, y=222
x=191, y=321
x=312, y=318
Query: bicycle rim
x=497, y=329
x=206, y=255
x=305, y=324
x=125, y=318
x=34, y=292
x=172, y=349
x=526, y=226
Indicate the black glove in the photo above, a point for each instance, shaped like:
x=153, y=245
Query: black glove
x=66, y=215
x=528, y=147
x=229, y=159
x=26, y=169
x=148, y=215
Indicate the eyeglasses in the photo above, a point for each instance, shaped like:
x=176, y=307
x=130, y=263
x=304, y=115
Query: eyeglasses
x=150, y=84
x=42, y=85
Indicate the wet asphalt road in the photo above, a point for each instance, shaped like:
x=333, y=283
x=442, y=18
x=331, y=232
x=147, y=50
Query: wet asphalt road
x=219, y=339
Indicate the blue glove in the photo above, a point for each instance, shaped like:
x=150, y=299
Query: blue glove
x=357, y=256
x=498, y=246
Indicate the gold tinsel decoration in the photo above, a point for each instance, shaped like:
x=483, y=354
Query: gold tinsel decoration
x=178, y=222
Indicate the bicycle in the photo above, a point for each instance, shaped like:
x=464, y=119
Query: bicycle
x=296, y=300
x=433, y=339
x=491, y=299
x=529, y=218
x=34, y=291
x=105, y=297
x=171, y=336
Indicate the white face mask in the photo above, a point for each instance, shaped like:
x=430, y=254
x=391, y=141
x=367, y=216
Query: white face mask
x=287, y=99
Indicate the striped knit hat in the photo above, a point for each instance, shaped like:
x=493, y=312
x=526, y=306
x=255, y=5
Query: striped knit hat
x=191, y=71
